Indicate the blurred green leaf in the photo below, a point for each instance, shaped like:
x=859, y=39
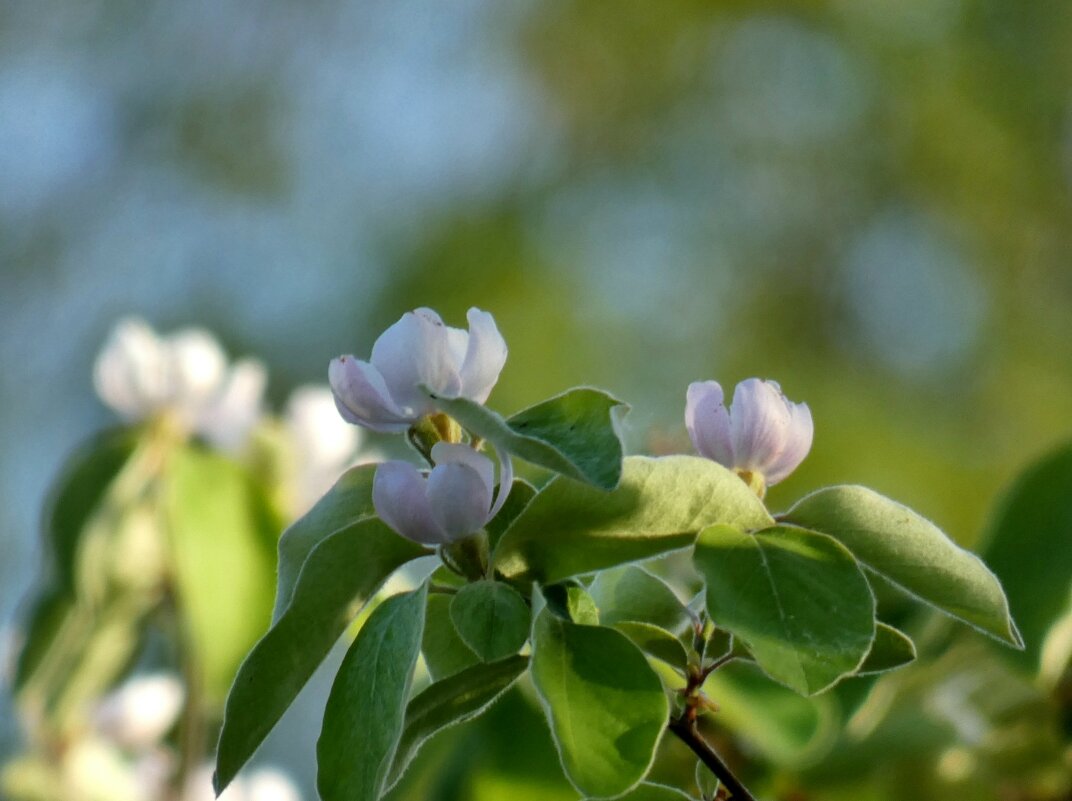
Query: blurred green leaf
x=1029, y=547
x=630, y=593
x=445, y=653
x=912, y=552
x=779, y=724
x=365, y=712
x=44, y=622
x=706, y=781
x=79, y=492
x=655, y=641
x=491, y=618
x=222, y=540
x=605, y=705
x=339, y=576
x=569, y=600
x=575, y=433
x=457, y=699
x=890, y=650
x=569, y=528
x=796, y=598
x=348, y=501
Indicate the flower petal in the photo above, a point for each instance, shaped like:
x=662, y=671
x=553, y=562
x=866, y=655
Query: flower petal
x=457, y=453
x=459, y=498
x=506, y=481
x=362, y=398
x=484, y=357
x=130, y=374
x=401, y=501
x=759, y=418
x=198, y=368
x=708, y=422
x=227, y=421
x=797, y=444
x=416, y=350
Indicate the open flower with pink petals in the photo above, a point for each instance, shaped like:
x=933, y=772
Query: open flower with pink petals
x=761, y=435
x=454, y=500
x=386, y=393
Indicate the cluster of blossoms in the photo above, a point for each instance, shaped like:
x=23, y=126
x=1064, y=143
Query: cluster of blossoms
x=185, y=379
x=125, y=753
x=761, y=435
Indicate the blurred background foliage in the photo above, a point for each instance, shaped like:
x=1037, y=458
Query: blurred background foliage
x=866, y=200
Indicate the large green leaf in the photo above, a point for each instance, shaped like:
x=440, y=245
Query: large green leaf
x=575, y=433
x=631, y=593
x=222, y=540
x=345, y=503
x=365, y=712
x=605, y=705
x=890, y=650
x=341, y=573
x=570, y=528
x=491, y=618
x=1029, y=547
x=911, y=552
x=795, y=598
x=79, y=492
x=454, y=700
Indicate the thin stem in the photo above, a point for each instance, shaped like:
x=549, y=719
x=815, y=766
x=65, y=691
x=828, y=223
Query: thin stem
x=686, y=730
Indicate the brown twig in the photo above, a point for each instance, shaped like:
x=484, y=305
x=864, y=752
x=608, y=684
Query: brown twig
x=687, y=731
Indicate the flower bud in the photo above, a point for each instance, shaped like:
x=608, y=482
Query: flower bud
x=453, y=501
x=384, y=393
x=762, y=435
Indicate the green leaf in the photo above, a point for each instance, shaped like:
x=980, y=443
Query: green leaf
x=911, y=552
x=631, y=593
x=569, y=600
x=605, y=705
x=569, y=529
x=656, y=642
x=706, y=781
x=649, y=791
x=340, y=575
x=891, y=649
x=349, y=501
x=222, y=540
x=50, y=611
x=1029, y=547
x=797, y=599
x=450, y=702
x=365, y=713
x=575, y=433
x=491, y=618
x=444, y=651
x=79, y=492
x=521, y=494
x=774, y=721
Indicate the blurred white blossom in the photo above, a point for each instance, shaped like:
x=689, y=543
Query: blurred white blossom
x=323, y=443
x=259, y=784
x=141, y=711
x=185, y=375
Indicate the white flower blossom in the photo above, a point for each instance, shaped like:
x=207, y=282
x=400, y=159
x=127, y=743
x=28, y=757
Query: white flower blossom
x=451, y=502
x=761, y=433
x=185, y=375
x=323, y=444
x=384, y=393
x=141, y=711
x=258, y=784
